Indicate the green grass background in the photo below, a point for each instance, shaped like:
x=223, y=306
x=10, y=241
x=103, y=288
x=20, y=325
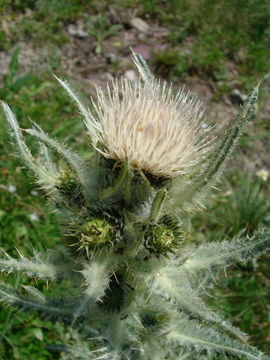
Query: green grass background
x=205, y=40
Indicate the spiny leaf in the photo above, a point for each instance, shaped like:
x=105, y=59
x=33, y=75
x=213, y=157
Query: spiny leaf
x=173, y=285
x=90, y=122
x=143, y=68
x=97, y=278
x=35, y=293
x=72, y=158
x=96, y=275
x=46, y=159
x=50, y=309
x=188, y=333
x=217, y=256
x=40, y=266
x=86, y=176
x=46, y=179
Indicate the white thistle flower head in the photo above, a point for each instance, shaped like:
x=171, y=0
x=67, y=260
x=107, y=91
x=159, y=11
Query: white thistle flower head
x=144, y=123
x=154, y=130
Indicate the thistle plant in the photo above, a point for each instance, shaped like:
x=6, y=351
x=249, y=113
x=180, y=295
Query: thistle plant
x=135, y=280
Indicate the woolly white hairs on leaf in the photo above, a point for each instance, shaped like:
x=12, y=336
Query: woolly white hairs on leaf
x=154, y=130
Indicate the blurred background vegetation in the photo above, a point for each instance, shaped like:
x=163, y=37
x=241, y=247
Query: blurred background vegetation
x=218, y=48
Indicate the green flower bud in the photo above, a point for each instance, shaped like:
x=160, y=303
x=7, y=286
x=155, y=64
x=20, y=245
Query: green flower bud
x=92, y=234
x=164, y=237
